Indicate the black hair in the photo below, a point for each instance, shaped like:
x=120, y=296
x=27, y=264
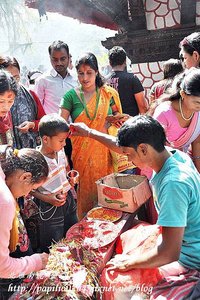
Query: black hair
x=28, y=160
x=191, y=43
x=117, y=56
x=171, y=68
x=189, y=82
x=58, y=45
x=142, y=129
x=7, y=61
x=52, y=124
x=7, y=83
x=91, y=60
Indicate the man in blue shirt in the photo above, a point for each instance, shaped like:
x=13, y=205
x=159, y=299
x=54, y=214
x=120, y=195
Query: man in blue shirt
x=176, y=186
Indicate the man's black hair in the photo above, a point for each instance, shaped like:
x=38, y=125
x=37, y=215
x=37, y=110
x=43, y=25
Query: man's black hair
x=58, y=45
x=117, y=56
x=142, y=129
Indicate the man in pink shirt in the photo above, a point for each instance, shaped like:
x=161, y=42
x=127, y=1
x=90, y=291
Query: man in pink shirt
x=53, y=85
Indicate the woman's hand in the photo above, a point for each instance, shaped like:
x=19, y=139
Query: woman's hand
x=25, y=126
x=79, y=129
x=44, y=256
x=117, y=119
x=122, y=262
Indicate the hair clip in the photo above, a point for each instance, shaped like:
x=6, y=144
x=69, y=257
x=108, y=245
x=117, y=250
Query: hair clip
x=16, y=152
x=184, y=42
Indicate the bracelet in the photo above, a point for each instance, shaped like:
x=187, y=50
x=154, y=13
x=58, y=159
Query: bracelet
x=89, y=132
x=196, y=157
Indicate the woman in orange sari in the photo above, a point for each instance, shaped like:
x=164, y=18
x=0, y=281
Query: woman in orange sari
x=90, y=103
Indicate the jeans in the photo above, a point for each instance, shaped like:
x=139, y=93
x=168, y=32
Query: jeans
x=54, y=224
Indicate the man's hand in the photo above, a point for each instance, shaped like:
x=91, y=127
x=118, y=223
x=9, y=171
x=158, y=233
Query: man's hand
x=165, y=252
x=79, y=129
x=122, y=262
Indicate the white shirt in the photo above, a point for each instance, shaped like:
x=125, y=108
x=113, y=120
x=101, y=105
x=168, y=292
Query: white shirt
x=57, y=178
x=51, y=87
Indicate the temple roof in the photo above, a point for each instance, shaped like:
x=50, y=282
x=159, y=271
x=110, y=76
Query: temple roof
x=129, y=19
x=83, y=10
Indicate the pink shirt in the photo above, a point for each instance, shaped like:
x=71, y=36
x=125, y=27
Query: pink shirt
x=166, y=116
x=2, y=175
x=51, y=87
x=12, y=267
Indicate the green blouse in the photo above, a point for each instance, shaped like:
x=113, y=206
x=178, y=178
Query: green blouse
x=72, y=103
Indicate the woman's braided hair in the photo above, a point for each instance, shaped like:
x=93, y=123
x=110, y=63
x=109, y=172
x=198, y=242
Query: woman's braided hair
x=29, y=160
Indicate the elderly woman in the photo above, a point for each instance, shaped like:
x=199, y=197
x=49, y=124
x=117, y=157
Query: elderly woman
x=8, y=92
x=26, y=111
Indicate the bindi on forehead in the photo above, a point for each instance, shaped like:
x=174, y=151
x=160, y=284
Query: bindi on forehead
x=9, y=95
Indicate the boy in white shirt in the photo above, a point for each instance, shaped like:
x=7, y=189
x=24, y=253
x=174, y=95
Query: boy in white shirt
x=57, y=207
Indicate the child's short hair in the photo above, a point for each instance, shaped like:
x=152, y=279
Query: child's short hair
x=52, y=124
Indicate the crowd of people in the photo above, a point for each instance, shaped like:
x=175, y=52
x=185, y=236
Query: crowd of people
x=64, y=122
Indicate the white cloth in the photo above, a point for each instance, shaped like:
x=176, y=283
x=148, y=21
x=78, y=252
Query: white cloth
x=51, y=87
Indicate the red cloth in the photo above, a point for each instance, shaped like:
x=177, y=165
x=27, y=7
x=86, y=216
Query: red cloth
x=159, y=90
x=40, y=110
x=136, y=241
x=5, y=123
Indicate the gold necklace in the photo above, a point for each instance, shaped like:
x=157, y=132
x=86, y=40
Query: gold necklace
x=85, y=105
x=181, y=111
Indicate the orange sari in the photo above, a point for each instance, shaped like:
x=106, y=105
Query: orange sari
x=90, y=158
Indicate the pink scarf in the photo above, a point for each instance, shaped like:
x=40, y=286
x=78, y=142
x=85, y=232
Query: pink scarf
x=189, y=136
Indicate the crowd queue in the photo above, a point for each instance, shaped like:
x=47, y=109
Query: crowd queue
x=62, y=122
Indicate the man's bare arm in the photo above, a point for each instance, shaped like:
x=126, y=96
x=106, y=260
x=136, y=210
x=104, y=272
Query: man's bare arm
x=168, y=251
x=80, y=129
